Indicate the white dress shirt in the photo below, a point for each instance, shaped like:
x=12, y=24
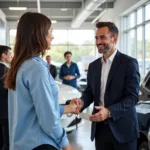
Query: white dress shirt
x=106, y=65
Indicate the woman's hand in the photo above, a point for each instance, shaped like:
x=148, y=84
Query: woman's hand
x=68, y=147
x=74, y=106
x=71, y=108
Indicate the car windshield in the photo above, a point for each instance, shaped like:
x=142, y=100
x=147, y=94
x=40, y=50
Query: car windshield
x=147, y=84
x=144, y=94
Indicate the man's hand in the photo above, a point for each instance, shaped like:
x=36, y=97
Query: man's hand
x=67, y=77
x=101, y=115
x=72, y=77
x=79, y=104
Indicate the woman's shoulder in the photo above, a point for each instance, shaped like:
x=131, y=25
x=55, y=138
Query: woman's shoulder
x=34, y=65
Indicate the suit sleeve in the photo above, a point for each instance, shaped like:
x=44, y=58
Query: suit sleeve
x=61, y=75
x=131, y=91
x=2, y=71
x=87, y=95
x=55, y=72
x=3, y=91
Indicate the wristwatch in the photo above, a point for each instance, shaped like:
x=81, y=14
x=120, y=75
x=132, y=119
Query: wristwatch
x=109, y=114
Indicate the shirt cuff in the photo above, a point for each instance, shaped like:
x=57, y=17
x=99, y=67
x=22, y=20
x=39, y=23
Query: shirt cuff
x=61, y=107
x=64, y=142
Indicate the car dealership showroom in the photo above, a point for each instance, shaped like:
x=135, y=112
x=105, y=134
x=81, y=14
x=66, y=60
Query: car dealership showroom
x=83, y=80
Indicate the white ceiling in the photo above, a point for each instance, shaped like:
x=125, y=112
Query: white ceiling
x=51, y=8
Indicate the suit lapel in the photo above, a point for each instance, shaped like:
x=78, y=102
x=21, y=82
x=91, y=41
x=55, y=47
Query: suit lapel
x=115, y=64
x=98, y=78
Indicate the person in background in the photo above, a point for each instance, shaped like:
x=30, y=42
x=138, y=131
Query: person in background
x=52, y=68
x=113, y=85
x=5, y=59
x=34, y=112
x=69, y=71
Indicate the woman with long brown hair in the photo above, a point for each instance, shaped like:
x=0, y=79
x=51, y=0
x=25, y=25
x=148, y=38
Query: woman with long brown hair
x=34, y=112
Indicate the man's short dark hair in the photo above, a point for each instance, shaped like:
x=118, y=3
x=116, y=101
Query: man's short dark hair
x=66, y=53
x=48, y=56
x=4, y=49
x=111, y=26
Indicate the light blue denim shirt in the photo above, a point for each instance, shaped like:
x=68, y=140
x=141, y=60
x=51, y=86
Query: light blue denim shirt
x=34, y=112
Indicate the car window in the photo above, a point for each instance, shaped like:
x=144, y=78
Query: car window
x=147, y=85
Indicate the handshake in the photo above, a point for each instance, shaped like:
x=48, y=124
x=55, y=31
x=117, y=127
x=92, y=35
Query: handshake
x=74, y=106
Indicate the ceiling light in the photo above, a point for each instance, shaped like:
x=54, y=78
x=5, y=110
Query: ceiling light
x=63, y=9
x=17, y=8
x=54, y=21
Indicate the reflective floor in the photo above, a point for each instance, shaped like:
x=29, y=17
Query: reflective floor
x=80, y=138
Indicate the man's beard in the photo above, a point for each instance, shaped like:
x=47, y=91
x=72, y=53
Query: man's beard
x=105, y=49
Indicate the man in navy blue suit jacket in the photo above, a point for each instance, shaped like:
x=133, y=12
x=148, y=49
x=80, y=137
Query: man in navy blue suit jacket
x=113, y=85
x=5, y=59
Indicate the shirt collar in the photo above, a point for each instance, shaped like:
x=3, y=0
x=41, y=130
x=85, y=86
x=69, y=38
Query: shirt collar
x=38, y=58
x=111, y=58
x=7, y=65
x=70, y=63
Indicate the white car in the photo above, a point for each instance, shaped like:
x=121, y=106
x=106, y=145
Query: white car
x=67, y=93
